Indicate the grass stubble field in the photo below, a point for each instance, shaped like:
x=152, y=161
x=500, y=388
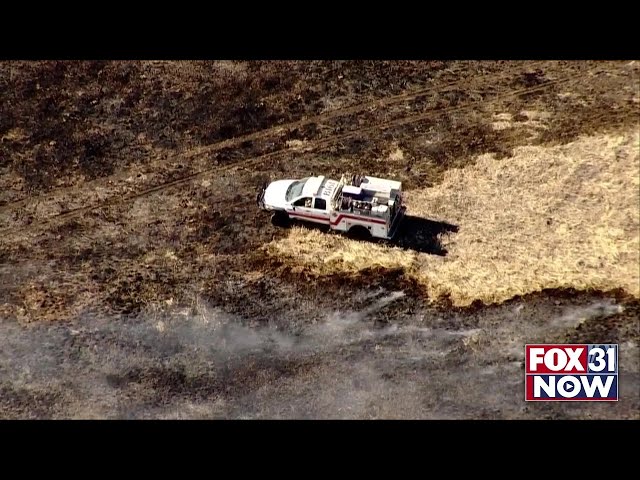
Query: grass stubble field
x=137, y=279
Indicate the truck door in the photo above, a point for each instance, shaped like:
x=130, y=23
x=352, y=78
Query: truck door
x=310, y=209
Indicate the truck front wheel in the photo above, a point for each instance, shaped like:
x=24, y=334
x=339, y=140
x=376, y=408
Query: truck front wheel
x=280, y=219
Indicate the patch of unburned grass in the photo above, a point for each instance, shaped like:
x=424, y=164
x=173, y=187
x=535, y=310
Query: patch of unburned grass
x=549, y=217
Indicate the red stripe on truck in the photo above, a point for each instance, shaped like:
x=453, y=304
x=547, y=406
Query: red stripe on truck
x=304, y=215
x=339, y=217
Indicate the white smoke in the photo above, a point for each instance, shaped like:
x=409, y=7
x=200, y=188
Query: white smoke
x=204, y=363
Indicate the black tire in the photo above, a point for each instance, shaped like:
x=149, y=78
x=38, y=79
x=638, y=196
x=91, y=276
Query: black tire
x=280, y=219
x=359, y=233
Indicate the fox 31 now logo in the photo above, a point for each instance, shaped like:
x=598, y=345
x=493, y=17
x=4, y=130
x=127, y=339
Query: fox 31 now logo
x=571, y=372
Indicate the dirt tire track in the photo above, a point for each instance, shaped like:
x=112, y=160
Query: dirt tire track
x=266, y=133
x=313, y=146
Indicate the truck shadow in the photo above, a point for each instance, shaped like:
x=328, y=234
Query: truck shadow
x=423, y=235
x=415, y=233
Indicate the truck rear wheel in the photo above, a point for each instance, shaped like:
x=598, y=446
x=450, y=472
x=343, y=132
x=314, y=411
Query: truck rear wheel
x=359, y=233
x=280, y=219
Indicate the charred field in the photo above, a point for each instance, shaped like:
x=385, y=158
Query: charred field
x=138, y=280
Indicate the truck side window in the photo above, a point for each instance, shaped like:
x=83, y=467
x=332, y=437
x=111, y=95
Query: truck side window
x=302, y=202
x=321, y=204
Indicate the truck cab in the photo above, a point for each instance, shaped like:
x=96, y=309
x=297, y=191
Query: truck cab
x=308, y=199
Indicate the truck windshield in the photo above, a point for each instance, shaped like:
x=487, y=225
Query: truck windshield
x=295, y=189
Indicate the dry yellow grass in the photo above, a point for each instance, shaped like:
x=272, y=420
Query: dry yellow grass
x=549, y=217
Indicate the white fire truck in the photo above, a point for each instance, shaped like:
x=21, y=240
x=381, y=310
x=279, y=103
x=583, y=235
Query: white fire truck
x=359, y=205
